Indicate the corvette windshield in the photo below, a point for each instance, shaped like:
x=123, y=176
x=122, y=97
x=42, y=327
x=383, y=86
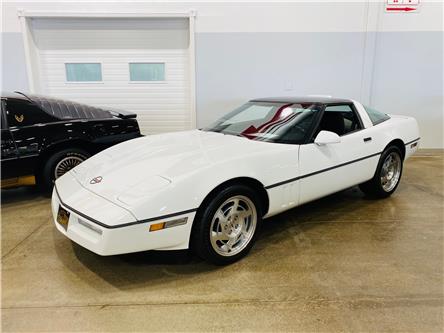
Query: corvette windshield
x=266, y=121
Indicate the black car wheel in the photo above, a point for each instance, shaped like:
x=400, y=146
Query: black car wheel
x=226, y=227
x=61, y=162
x=387, y=175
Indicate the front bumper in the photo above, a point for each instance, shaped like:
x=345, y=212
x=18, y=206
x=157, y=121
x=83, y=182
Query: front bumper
x=106, y=239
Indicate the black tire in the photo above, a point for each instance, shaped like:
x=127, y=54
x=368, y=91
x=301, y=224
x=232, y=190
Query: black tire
x=200, y=235
x=48, y=175
x=374, y=188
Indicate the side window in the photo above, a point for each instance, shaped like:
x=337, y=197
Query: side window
x=296, y=133
x=23, y=113
x=375, y=116
x=340, y=119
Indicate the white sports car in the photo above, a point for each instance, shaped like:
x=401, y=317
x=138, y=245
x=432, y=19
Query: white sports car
x=210, y=189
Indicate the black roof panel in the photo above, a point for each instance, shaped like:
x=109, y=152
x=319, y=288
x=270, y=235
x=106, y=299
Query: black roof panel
x=69, y=110
x=303, y=99
x=63, y=109
x=15, y=95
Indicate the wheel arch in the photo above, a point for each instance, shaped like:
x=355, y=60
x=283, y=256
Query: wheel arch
x=399, y=144
x=252, y=183
x=61, y=145
x=248, y=181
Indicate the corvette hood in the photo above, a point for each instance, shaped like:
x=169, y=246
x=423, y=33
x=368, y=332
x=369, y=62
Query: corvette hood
x=146, y=165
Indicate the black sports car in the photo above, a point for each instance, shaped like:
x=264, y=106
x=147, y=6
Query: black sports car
x=42, y=138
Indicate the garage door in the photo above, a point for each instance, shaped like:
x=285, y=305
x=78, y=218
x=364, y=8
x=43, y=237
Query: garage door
x=140, y=65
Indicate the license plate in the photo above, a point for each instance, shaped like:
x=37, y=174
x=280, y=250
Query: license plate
x=63, y=217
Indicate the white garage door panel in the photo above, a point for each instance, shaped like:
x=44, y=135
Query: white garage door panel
x=160, y=106
x=134, y=33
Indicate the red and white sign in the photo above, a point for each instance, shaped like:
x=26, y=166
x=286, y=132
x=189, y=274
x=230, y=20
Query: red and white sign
x=402, y=6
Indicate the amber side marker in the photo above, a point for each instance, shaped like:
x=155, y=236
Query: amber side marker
x=157, y=226
x=168, y=224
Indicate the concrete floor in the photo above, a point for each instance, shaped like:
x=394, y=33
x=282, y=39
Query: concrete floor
x=341, y=264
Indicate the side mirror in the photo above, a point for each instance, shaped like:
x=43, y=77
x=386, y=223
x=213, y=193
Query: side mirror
x=327, y=137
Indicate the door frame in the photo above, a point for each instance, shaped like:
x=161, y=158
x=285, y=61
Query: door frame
x=310, y=138
x=31, y=54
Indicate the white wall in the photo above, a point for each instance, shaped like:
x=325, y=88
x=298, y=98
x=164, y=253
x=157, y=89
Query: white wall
x=393, y=62
x=250, y=16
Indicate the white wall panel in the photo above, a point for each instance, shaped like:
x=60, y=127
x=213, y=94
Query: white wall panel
x=251, y=16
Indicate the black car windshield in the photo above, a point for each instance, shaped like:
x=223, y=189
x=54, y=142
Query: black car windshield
x=271, y=122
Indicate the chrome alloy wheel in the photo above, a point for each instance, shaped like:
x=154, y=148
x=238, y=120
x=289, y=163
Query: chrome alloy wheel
x=66, y=164
x=233, y=225
x=391, y=171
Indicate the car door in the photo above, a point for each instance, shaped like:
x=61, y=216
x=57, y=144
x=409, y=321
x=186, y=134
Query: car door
x=9, y=156
x=329, y=168
x=27, y=126
x=292, y=130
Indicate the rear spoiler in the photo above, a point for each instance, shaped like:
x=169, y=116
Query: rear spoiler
x=123, y=114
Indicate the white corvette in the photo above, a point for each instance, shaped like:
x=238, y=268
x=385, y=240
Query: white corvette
x=209, y=189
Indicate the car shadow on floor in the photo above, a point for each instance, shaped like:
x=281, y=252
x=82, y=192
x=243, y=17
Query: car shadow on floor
x=134, y=270
x=137, y=269
x=21, y=194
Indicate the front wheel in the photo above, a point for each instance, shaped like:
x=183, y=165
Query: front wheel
x=387, y=175
x=227, y=227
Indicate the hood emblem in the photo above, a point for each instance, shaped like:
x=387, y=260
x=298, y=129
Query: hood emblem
x=96, y=180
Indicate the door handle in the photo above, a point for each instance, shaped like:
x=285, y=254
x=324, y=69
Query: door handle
x=368, y=139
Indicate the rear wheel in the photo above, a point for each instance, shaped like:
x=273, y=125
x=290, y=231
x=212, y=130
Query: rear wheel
x=227, y=227
x=59, y=163
x=387, y=175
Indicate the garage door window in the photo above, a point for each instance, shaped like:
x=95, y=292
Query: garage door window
x=147, y=72
x=83, y=72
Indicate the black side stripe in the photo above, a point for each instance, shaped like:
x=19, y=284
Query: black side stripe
x=320, y=171
x=412, y=141
x=328, y=169
x=90, y=219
